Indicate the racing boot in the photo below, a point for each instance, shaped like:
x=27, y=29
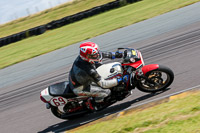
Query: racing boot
x=91, y=105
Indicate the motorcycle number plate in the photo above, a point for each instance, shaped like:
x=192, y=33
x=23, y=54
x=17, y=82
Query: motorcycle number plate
x=58, y=101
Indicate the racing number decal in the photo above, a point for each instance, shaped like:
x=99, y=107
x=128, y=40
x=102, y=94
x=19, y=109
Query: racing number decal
x=58, y=101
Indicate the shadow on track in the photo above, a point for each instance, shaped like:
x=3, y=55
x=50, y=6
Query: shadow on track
x=71, y=124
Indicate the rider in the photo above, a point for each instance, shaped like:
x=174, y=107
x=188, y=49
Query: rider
x=83, y=72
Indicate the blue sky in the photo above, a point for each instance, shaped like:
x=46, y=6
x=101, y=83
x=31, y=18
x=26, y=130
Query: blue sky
x=13, y=9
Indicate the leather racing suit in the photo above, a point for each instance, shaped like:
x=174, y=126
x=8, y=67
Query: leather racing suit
x=83, y=73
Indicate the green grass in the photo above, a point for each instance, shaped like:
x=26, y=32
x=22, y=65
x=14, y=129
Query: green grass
x=177, y=116
x=48, y=16
x=87, y=28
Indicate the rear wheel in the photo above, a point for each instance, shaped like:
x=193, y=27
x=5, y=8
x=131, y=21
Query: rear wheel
x=66, y=113
x=158, y=80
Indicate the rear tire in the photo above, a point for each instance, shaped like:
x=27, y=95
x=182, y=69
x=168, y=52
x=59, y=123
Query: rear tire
x=62, y=115
x=57, y=112
x=157, y=77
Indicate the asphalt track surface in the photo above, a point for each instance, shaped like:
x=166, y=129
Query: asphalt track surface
x=176, y=46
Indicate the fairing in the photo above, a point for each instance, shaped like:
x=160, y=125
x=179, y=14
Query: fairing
x=45, y=95
x=137, y=64
x=110, y=70
x=150, y=67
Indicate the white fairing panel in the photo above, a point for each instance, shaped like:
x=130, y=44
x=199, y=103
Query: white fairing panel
x=109, y=70
x=55, y=101
x=45, y=95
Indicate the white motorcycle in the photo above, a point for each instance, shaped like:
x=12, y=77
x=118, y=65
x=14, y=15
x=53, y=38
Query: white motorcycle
x=151, y=78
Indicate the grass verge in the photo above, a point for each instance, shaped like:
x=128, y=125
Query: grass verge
x=87, y=28
x=181, y=115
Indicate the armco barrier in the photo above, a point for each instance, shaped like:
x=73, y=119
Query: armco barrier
x=64, y=21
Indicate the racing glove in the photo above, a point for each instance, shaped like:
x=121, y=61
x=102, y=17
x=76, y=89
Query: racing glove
x=123, y=79
x=116, y=54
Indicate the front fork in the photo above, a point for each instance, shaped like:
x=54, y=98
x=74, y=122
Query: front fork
x=141, y=74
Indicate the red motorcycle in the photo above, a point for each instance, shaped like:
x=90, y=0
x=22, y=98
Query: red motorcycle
x=151, y=78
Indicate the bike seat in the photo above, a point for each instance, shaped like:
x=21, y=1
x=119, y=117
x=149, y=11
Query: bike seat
x=61, y=89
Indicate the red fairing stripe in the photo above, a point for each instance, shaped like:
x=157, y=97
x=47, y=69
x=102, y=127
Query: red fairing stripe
x=135, y=64
x=150, y=67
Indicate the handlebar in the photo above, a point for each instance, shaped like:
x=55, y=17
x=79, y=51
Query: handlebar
x=130, y=55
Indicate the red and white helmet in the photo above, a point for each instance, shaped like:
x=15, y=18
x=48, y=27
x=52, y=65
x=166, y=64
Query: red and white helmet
x=89, y=52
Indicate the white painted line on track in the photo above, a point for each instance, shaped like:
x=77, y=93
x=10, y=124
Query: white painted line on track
x=156, y=99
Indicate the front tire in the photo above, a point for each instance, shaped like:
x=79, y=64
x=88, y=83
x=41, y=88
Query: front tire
x=160, y=78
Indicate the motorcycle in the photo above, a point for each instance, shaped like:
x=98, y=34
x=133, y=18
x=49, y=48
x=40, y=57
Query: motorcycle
x=150, y=78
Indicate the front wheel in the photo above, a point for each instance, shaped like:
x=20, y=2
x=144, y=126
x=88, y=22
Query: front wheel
x=155, y=80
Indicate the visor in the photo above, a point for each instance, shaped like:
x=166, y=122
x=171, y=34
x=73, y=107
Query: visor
x=95, y=57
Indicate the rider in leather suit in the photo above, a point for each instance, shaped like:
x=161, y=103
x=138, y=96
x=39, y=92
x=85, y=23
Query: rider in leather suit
x=83, y=73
